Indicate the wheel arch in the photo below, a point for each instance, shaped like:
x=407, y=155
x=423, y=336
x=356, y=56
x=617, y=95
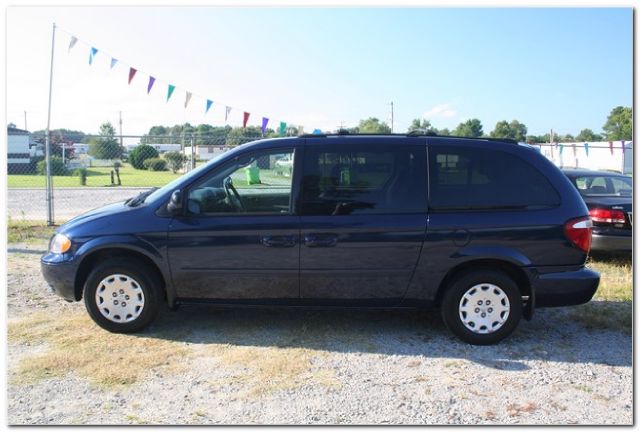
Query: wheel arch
x=515, y=272
x=91, y=258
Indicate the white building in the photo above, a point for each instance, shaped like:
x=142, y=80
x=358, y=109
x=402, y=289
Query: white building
x=18, y=150
x=205, y=152
x=614, y=156
x=160, y=148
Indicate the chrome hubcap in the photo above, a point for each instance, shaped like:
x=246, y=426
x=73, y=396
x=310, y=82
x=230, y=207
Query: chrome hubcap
x=119, y=298
x=484, y=308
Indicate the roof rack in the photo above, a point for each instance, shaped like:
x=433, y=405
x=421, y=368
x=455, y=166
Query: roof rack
x=415, y=133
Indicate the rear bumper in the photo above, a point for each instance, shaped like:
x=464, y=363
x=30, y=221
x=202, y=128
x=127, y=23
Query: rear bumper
x=611, y=243
x=60, y=275
x=565, y=288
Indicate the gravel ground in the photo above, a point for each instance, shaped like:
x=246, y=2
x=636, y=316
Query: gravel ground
x=319, y=367
x=31, y=204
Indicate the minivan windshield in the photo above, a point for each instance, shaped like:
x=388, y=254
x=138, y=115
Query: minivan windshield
x=603, y=185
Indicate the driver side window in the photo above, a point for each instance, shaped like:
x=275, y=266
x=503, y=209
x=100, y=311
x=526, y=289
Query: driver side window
x=254, y=183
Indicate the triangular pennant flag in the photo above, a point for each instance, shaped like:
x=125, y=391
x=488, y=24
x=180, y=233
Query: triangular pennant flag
x=317, y=131
x=586, y=148
x=151, y=81
x=170, y=90
x=622, y=143
x=132, y=73
x=209, y=103
x=283, y=128
x=113, y=62
x=227, y=111
x=73, y=42
x=264, y=124
x=561, y=148
x=187, y=99
x=245, y=119
x=611, y=147
x=92, y=53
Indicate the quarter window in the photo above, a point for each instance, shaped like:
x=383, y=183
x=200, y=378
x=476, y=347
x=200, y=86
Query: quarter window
x=466, y=178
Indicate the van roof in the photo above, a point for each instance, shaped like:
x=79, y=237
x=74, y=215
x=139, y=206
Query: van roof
x=344, y=133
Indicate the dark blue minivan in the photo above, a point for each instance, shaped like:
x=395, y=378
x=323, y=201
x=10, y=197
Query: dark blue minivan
x=486, y=230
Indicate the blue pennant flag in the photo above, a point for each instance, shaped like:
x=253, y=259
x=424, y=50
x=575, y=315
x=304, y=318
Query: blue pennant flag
x=92, y=53
x=209, y=103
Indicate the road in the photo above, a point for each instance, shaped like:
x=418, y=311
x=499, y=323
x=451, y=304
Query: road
x=31, y=204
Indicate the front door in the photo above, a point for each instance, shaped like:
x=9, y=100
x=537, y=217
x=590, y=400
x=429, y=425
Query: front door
x=363, y=219
x=237, y=240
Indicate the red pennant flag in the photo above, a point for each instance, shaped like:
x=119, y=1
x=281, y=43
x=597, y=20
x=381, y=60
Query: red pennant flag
x=611, y=147
x=132, y=73
x=245, y=120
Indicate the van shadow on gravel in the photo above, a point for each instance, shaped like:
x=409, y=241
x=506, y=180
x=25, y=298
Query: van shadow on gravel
x=551, y=336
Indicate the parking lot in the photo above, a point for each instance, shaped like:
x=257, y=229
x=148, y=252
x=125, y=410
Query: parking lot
x=203, y=365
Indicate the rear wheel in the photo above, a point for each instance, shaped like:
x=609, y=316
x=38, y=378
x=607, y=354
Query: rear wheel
x=482, y=307
x=122, y=296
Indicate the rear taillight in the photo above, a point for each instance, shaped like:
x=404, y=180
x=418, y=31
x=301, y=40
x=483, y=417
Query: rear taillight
x=578, y=231
x=602, y=215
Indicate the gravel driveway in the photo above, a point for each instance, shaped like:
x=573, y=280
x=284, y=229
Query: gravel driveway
x=31, y=204
x=202, y=365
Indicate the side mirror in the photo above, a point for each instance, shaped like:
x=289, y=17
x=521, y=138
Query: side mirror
x=175, y=202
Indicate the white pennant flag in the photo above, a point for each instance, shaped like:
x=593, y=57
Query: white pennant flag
x=226, y=113
x=186, y=101
x=72, y=43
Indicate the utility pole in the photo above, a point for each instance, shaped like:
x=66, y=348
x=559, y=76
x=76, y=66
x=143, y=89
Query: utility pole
x=121, y=144
x=25, y=120
x=391, y=116
x=47, y=146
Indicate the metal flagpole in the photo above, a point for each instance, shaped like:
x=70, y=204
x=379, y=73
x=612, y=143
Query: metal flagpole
x=48, y=139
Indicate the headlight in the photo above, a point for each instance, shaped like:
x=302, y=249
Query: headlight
x=60, y=243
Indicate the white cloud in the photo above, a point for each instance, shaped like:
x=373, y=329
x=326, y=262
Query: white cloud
x=441, y=111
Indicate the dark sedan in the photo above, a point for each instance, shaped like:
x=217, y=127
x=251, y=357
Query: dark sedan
x=609, y=197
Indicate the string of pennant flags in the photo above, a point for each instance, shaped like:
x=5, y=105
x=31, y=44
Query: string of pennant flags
x=93, y=52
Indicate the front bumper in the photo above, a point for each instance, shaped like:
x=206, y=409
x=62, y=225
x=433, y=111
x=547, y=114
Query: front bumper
x=60, y=274
x=611, y=243
x=565, y=288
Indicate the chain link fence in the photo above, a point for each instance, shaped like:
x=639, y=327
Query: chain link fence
x=99, y=169
x=92, y=170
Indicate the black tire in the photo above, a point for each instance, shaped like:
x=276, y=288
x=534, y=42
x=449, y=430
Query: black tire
x=145, y=278
x=450, y=306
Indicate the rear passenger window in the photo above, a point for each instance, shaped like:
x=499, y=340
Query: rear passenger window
x=364, y=179
x=465, y=178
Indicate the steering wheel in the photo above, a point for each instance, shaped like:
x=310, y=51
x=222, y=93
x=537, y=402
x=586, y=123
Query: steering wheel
x=233, y=195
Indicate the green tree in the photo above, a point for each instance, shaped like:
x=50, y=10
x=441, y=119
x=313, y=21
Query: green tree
x=240, y=135
x=420, y=124
x=588, y=135
x=141, y=153
x=373, y=126
x=444, y=132
x=105, y=146
x=514, y=130
x=566, y=138
x=56, y=166
x=175, y=160
x=471, y=128
x=619, y=124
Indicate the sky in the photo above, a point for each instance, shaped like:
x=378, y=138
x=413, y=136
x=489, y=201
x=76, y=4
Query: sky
x=550, y=68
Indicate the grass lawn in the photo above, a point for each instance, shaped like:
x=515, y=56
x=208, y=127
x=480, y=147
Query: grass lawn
x=96, y=177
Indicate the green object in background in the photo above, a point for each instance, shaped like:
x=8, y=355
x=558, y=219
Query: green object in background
x=253, y=175
x=345, y=177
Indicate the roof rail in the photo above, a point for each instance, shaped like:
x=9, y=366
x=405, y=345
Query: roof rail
x=415, y=133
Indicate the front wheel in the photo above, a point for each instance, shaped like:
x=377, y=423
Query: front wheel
x=122, y=296
x=482, y=307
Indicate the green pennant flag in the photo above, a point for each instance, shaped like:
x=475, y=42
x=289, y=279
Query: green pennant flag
x=170, y=91
x=283, y=128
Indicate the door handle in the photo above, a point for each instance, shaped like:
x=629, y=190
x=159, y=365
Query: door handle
x=278, y=241
x=321, y=240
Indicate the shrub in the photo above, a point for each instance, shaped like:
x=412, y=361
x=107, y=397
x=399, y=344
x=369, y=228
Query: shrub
x=56, y=165
x=82, y=173
x=155, y=164
x=175, y=160
x=141, y=153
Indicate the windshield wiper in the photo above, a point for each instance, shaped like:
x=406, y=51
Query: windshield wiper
x=139, y=199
